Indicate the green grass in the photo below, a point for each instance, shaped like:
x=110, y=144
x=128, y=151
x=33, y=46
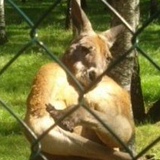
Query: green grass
x=14, y=146
x=150, y=76
x=16, y=81
x=146, y=134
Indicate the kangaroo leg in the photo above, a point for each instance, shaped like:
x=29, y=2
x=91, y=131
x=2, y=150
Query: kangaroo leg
x=65, y=143
x=82, y=117
x=118, y=124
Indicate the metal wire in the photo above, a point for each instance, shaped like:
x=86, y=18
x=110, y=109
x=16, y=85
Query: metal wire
x=36, y=146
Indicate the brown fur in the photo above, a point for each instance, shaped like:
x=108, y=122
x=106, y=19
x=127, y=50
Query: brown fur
x=92, y=50
x=87, y=57
x=51, y=81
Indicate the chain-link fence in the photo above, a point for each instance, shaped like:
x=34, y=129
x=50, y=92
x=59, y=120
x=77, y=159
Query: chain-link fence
x=34, y=40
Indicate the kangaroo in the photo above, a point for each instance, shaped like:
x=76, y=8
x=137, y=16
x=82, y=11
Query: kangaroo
x=87, y=57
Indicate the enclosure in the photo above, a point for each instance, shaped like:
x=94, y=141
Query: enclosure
x=37, y=35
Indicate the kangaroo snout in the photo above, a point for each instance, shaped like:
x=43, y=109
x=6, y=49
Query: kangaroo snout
x=92, y=75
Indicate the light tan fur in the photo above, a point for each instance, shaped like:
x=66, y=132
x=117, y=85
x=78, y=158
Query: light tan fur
x=87, y=57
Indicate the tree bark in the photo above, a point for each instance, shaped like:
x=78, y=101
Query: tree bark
x=153, y=7
x=136, y=93
x=123, y=72
x=3, y=37
x=68, y=15
x=84, y=4
x=154, y=112
x=127, y=71
x=68, y=22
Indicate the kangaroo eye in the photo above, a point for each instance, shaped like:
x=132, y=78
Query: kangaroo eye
x=85, y=50
x=108, y=59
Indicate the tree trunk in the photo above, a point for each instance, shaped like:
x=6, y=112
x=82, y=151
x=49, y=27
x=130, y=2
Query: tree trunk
x=123, y=72
x=153, y=7
x=136, y=93
x=154, y=112
x=68, y=22
x=68, y=15
x=3, y=37
x=84, y=4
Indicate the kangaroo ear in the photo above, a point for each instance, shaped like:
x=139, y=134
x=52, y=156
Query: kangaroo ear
x=79, y=18
x=112, y=34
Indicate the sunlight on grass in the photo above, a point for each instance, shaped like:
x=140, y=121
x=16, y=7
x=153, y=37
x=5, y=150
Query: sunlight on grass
x=151, y=88
x=146, y=134
x=150, y=76
x=16, y=81
x=14, y=147
x=56, y=39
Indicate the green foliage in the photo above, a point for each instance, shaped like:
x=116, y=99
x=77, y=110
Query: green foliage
x=16, y=81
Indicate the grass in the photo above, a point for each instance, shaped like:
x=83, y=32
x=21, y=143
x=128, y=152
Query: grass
x=146, y=134
x=14, y=146
x=149, y=42
x=16, y=81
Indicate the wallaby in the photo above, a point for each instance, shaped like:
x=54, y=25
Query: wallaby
x=87, y=57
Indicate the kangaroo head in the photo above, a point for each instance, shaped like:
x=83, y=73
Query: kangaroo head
x=88, y=55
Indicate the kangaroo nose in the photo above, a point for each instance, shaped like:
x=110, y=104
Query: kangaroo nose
x=92, y=75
